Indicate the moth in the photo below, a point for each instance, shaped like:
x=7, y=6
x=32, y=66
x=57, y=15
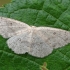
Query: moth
x=36, y=41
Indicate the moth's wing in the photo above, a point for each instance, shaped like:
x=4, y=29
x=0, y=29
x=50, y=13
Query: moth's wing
x=20, y=44
x=39, y=47
x=55, y=37
x=10, y=27
x=45, y=39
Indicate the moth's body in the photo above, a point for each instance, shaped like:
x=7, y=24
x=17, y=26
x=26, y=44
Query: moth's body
x=36, y=41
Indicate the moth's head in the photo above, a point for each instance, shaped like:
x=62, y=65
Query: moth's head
x=33, y=26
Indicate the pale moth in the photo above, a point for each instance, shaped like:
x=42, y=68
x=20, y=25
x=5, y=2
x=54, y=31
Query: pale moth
x=36, y=41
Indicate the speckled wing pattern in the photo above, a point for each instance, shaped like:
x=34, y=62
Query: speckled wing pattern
x=20, y=44
x=36, y=41
x=45, y=39
x=10, y=27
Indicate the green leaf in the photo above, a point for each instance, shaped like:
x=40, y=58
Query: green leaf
x=53, y=13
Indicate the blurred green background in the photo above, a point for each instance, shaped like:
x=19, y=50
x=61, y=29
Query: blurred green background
x=3, y=2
